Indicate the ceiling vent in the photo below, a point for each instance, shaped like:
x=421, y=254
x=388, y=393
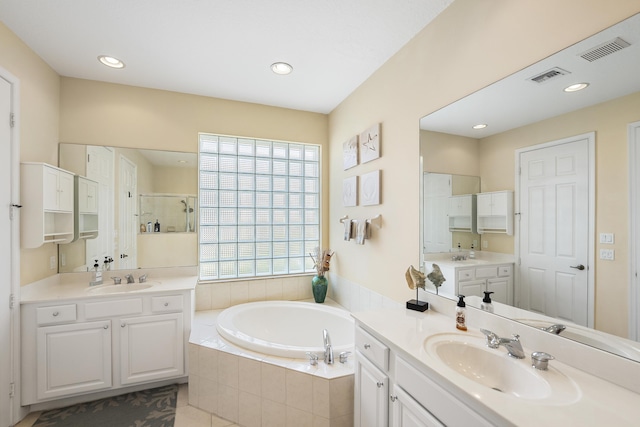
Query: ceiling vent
x=604, y=49
x=549, y=74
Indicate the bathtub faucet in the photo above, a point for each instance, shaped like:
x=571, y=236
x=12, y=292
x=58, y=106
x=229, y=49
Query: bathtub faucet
x=328, y=350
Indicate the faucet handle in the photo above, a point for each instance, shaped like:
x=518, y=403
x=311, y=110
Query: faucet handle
x=117, y=280
x=493, y=340
x=313, y=358
x=343, y=356
x=540, y=360
x=142, y=278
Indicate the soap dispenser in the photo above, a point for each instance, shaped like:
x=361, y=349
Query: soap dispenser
x=156, y=227
x=472, y=253
x=461, y=314
x=486, y=302
x=97, y=274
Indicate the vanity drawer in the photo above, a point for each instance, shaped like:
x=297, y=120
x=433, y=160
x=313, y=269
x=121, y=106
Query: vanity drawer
x=504, y=271
x=374, y=350
x=465, y=274
x=166, y=303
x=56, y=314
x=96, y=310
x=486, y=272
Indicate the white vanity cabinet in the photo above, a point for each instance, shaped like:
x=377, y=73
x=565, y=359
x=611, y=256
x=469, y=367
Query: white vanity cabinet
x=99, y=344
x=389, y=391
x=47, y=197
x=468, y=281
x=371, y=387
x=495, y=212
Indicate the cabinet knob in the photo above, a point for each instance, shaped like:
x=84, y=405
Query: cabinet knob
x=379, y=384
x=106, y=326
x=367, y=346
x=393, y=398
x=122, y=325
x=55, y=314
x=166, y=304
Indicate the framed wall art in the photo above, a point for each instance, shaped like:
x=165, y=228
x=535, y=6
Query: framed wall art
x=350, y=191
x=350, y=153
x=370, y=188
x=370, y=144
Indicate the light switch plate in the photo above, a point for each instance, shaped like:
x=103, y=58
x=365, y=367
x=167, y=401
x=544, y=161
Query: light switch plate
x=607, y=238
x=607, y=254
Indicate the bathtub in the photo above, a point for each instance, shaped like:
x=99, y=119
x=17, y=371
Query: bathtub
x=286, y=328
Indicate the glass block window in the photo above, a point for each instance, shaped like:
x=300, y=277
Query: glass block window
x=260, y=207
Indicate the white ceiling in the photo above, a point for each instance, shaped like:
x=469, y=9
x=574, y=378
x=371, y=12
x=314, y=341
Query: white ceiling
x=516, y=101
x=224, y=48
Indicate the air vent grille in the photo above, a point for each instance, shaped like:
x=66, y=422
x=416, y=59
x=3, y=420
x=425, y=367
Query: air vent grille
x=549, y=74
x=604, y=49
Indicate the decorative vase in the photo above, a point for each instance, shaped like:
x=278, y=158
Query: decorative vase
x=319, y=288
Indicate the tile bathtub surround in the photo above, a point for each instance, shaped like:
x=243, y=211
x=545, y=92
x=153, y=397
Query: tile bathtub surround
x=214, y=296
x=253, y=389
x=354, y=297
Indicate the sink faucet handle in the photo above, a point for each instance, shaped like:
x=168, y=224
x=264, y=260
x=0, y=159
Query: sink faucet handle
x=142, y=278
x=344, y=356
x=117, y=280
x=493, y=341
x=540, y=360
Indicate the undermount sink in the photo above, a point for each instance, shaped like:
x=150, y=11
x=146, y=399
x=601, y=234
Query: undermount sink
x=492, y=369
x=114, y=289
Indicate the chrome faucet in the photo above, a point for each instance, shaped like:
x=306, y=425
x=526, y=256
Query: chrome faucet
x=513, y=345
x=328, y=350
x=129, y=278
x=555, y=329
x=142, y=278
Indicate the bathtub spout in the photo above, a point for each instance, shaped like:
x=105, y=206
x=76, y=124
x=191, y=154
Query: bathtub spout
x=328, y=350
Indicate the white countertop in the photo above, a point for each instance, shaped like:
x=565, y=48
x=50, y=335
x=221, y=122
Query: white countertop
x=444, y=259
x=599, y=402
x=76, y=285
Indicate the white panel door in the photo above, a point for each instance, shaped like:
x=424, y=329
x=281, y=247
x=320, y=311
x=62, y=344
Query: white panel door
x=5, y=254
x=437, y=190
x=128, y=219
x=409, y=413
x=371, y=393
x=554, y=227
x=100, y=169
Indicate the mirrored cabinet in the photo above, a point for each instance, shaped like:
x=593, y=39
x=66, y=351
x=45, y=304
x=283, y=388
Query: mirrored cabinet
x=47, y=197
x=86, y=205
x=462, y=213
x=495, y=212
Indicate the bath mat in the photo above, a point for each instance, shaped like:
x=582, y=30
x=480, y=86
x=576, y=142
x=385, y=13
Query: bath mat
x=147, y=408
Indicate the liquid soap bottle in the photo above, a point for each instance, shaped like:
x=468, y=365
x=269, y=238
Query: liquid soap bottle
x=461, y=314
x=156, y=227
x=486, y=302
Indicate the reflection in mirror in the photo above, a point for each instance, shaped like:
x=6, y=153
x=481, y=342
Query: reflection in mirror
x=135, y=187
x=531, y=108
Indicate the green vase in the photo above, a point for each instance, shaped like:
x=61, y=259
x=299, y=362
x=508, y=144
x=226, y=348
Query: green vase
x=319, y=288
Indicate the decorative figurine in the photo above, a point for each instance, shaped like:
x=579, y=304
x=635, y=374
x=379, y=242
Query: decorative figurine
x=415, y=280
x=436, y=277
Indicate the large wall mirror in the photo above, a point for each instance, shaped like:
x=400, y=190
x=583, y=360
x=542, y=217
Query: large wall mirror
x=532, y=108
x=147, y=208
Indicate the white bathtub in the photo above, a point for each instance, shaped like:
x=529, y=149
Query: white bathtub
x=286, y=328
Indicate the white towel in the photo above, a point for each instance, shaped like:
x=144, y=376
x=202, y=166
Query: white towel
x=361, y=231
x=348, y=229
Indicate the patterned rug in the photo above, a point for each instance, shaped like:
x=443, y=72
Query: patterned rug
x=147, y=408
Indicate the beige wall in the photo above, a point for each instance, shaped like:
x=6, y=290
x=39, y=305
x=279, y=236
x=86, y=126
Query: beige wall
x=470, y=45
x=39, y=117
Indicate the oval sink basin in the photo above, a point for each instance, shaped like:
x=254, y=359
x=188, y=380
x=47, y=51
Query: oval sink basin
x=493, y=370
x=114, y=289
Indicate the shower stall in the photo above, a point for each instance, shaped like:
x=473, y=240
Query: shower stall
x=176, y=213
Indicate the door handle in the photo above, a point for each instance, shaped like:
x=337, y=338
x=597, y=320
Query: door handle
x=577, y=267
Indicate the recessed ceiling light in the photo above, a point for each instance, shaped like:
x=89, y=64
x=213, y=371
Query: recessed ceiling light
x=281, y=68
x=576, y=87
x=480, y=126
x=110, y=61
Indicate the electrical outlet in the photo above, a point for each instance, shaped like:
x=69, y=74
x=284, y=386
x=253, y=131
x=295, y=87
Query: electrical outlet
x=52, y=262
x=607, y=254
x=606, y=238
x=485, y=244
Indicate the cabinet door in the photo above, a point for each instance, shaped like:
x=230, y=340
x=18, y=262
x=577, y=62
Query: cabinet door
x=73, y=359
x=151, y=348
x=87, y=196
x=65, y=191
x=406, y=412
x=50, y=184
x=472, y=287
x=501, y=288
x=499, y=203
x=371, y=393
x=484, y=203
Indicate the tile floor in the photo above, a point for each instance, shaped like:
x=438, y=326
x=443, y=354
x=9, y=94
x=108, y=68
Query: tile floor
x=186, y=416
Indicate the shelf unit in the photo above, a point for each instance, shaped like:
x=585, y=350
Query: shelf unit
x=86, y=206
x=47, y=196
x=462, y=213
x=495, y=212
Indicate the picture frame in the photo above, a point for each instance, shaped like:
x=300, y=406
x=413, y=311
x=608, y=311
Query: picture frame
x=369, y=144
x=350, y=153
x=350, y=191
x=370, y=188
